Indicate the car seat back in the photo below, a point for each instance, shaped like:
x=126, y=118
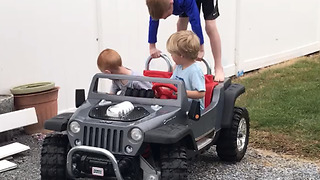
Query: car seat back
x=210, y=84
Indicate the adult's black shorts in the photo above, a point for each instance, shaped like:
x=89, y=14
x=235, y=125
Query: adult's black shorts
x=209, y=8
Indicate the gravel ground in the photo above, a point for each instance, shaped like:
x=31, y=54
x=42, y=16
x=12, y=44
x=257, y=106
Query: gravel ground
x=257, y=164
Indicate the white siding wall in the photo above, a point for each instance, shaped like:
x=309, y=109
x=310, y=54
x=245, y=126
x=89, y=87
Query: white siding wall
x=58, y=40
x=51, y=40
x=269, y=32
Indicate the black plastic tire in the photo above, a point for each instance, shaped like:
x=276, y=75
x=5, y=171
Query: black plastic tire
x=54, y=157
x=174, y=163
x=228, y=148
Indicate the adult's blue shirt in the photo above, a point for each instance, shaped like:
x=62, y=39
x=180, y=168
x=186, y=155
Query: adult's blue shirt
x=180, y=6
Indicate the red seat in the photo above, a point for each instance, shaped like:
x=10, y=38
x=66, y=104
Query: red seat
x=210, y=84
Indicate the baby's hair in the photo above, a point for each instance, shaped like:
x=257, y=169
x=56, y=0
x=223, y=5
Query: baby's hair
x=109, y=59
x=184, y=43
x=157, y=8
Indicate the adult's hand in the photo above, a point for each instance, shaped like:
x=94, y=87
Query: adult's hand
x=154, y=52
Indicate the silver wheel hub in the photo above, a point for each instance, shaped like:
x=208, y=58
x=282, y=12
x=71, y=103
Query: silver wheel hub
x=241, y=134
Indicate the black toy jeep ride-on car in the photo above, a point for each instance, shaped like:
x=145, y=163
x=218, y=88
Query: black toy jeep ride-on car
x=145, y=134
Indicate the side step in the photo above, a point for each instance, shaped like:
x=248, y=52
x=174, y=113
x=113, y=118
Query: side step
x=204, y=142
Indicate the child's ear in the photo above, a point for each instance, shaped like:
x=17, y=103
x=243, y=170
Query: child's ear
x=107, y=72
x=171, y=1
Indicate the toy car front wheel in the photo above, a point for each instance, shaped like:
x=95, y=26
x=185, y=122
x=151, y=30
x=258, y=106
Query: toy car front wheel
x=173, y=162
x=233, y=141
x=54, y=157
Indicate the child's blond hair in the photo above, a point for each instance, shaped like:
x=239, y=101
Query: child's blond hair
x=157, y=8
x=185, y=43
x=109, y=59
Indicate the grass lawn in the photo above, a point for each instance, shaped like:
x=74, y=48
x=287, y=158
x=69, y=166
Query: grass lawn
x=284, y=106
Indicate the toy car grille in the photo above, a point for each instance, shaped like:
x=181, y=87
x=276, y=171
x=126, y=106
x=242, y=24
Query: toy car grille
x=136, y=114
x=110, y=139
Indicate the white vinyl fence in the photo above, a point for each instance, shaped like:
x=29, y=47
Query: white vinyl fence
x=59, y=40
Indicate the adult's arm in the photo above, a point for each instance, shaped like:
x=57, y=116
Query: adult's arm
x=153, y=30
x=194, y=18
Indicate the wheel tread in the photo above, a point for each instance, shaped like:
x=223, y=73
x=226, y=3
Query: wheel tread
x=53, y=157
x=174, y=163
x=227, y=142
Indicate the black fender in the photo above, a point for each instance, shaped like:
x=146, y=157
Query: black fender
x=58, y=123
x=171, y=134
x=230, y=96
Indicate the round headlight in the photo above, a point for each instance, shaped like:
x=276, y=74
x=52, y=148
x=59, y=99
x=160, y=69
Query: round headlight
x=136, y=134
x=74, y=127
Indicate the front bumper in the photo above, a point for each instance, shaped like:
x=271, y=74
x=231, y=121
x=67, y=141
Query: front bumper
x=93, y=150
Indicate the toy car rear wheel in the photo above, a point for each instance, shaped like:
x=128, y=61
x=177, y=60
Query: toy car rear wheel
x=54, y=157
x=233, y=141
x=174, y=163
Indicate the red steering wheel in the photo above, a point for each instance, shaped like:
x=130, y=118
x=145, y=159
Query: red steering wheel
x=165, y=91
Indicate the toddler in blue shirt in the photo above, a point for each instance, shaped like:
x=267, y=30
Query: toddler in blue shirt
x=184, y=47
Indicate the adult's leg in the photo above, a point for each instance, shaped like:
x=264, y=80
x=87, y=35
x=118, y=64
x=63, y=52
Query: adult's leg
x=215, y=43
x=211, y=12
